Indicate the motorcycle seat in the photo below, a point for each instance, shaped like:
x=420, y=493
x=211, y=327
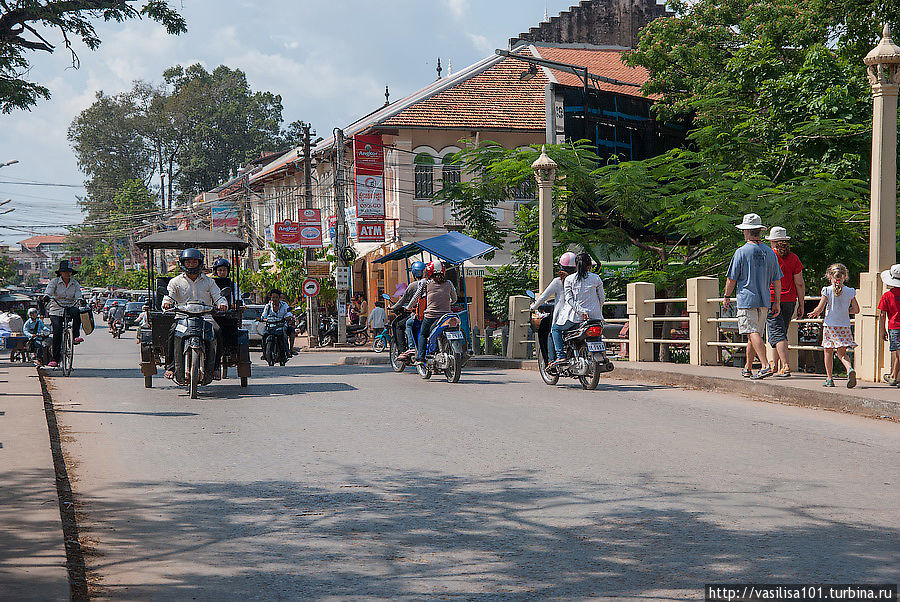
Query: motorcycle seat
x=574, y=332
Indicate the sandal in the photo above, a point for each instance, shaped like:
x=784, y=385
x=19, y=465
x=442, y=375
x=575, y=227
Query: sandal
x=763, y=373
x=828, y=382
x=785, y=373
x=851, y=379
x=746, y=373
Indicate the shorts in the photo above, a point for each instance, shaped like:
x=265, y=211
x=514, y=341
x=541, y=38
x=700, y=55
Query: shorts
x=834, y=337
x=894, y=338
x=751, y=319
x=777, y=326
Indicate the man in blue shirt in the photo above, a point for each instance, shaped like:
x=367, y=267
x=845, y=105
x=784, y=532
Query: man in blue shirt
x=754, y=271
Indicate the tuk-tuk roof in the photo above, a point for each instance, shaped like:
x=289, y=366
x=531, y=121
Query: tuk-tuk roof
x=184, y=239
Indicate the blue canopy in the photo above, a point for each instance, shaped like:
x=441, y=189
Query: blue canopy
x=453, y=247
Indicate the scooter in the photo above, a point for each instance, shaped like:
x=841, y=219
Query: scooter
x=116, y=328
x=275, y=347
x=398, y=343
x=356, y=335
x=584, y=349
x=445, y=350
x=194, y=336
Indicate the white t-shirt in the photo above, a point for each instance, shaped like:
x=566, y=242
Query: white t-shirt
x=837, y=309
x=377, y=317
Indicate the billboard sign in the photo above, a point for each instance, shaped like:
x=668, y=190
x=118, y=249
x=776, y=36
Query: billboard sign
x=368, y=162
x=370, y=231
x=287, y=233
x=226, y=217
x=311, y=228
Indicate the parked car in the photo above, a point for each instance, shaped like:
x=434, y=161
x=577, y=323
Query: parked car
x=132, y=313
x=251, y=314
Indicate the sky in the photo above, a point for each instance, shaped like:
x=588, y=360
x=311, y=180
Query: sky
x=329, y=61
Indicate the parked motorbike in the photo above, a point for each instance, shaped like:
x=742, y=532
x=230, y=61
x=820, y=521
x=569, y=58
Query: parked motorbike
x=445, y=350
x=275, y=342
x=584, y=349
x=356, y=335
x=194, y=360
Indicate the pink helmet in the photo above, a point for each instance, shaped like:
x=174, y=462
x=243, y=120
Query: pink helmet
x=567, y=260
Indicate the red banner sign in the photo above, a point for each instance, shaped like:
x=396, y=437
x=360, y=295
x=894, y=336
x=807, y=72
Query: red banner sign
x=368, y=153
x=287, y=233
x=370, y=231
x=311, y=228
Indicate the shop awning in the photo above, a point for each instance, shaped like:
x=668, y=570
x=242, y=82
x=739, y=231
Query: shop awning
x=453, y=247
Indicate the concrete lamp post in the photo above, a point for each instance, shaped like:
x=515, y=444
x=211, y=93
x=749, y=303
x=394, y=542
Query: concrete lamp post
x=545, y=174
x=883, y=70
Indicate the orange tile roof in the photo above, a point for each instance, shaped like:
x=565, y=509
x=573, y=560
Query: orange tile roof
x=34, y=241
x=607, y=63
x=496, y=98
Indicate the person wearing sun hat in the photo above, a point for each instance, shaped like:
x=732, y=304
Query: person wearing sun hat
x=753, y=272
x=793, y=290
x=63, y=294
x=889, y=320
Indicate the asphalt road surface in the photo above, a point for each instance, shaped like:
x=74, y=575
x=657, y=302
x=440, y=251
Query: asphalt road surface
x=324, y=481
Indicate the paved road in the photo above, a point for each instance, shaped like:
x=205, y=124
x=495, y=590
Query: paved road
x=325, y=481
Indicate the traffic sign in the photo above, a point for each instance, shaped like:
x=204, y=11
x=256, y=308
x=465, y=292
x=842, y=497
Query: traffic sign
x=310, y=287
x=75, y=261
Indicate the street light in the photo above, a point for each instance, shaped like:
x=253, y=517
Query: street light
x=545, y=174
x=13, y=162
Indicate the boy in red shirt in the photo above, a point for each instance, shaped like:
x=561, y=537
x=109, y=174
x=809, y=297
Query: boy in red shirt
x=889, y=306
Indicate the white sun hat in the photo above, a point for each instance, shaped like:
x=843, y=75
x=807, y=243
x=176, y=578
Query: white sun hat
x=751, y=222
x=778, y=233
x=891, y=277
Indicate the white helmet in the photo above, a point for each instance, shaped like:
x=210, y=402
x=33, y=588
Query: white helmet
x=567, y=260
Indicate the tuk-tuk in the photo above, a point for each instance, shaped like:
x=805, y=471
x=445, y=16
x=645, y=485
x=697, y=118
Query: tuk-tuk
x=154, y=342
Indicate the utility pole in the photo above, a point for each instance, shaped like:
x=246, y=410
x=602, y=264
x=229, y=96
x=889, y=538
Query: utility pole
x=312, y=306
x=341, y=231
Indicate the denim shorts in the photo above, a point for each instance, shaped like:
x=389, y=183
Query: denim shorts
x=894, y=338
x=777, y=326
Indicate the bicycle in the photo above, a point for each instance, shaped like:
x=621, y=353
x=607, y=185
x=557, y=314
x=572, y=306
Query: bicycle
x=67, y=349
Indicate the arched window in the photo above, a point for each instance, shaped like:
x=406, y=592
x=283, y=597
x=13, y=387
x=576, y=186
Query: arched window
x=451, y=173
x=424, y=163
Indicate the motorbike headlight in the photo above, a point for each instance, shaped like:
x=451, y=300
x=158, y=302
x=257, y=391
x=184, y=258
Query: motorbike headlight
x=194, y=308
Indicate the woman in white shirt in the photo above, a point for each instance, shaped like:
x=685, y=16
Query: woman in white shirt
x=584, y=301
x=556, y=290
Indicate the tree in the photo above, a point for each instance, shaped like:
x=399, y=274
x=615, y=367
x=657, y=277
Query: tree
x=26, y=25
x=230, y=123
x=8, y=272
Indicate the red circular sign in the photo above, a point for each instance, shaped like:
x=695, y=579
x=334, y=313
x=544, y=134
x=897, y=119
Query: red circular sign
x=310, y=287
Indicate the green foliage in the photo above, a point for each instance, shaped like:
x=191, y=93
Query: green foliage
x=8, y=272
x=27, y=25
x=503, y=282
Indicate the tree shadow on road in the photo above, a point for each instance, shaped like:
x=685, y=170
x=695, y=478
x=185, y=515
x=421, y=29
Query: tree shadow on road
x=408, y=534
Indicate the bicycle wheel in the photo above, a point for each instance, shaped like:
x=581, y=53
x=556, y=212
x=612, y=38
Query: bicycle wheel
x=68, y=351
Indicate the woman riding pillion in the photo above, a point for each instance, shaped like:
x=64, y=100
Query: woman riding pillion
x=557, y=291
x=584, y=301
x=64, y=294
x=193, y=285
x=440, y=295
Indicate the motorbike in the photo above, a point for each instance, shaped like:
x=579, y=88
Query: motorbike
x=116, y=328
x=194, y=335
x=397, y=328
x=275, y=346
x=445, y=350
x=328, y=335
x=584, y=349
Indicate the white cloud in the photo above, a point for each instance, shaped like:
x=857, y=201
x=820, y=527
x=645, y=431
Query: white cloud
x=481, y=43
x=458, y=8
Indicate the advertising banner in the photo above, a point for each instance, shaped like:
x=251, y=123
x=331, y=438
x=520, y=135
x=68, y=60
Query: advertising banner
x=368, y=164
x=311, y=228
x=287, y=233
x=370, y=231
x=226, y=217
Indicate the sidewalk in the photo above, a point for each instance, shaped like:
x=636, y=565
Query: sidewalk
x=32, y=551
x=866, y=399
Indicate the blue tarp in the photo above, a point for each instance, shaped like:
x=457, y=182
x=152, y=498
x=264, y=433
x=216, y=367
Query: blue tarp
x=453, y=247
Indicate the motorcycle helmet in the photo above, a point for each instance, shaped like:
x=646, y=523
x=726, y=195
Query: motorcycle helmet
x=220, y=263
x=567, y=260
x=417, y=268
x=32, y=311
x=191, y=254
x=435, y=266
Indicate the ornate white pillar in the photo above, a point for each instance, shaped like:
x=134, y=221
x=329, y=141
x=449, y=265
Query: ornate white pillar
x=545, y=173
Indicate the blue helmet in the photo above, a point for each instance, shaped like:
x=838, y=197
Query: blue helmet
x=221, y=262
x=191, y=254
x=417, y=269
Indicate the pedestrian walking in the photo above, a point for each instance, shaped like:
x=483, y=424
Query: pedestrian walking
x=754, y=272
x=378, y=318
x=793, y=291
x=889, y=320
x=838, y=302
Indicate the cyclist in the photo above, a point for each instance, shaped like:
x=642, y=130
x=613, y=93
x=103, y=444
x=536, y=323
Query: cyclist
x=63, y=294
x=194, y=285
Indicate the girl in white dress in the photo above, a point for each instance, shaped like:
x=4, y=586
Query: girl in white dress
x=838, y=302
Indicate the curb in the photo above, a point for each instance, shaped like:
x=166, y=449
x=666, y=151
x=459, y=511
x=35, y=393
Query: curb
x=768, y=391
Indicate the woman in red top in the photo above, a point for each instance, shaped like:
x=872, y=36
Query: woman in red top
x=793, y=290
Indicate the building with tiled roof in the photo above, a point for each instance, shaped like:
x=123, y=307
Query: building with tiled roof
x=44, y=242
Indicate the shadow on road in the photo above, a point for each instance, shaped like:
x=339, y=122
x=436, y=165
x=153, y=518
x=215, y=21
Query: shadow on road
x=390, y=534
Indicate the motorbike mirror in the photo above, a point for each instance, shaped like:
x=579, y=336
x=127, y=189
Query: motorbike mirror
x=530, y=294
x=385, y=296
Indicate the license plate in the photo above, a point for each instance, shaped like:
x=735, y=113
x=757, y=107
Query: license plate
x=453, y=335
x=181, y=328
x=596, y=346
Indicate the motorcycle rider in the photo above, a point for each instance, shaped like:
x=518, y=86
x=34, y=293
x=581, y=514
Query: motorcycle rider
x=193, y=285
x=64, y=293
x=417, y=269
x=440, y=295
x=275, y=309
x=556, y=289
x=584, y=301
x=34, y=327
x=117, y=313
